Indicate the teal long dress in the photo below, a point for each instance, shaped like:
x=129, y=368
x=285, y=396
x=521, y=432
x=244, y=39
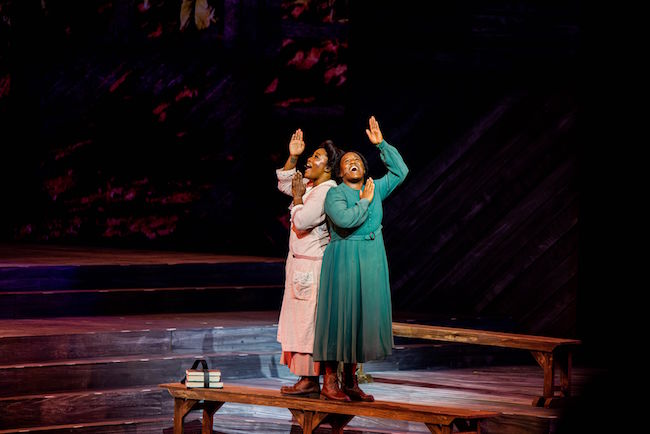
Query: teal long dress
x=354, y=313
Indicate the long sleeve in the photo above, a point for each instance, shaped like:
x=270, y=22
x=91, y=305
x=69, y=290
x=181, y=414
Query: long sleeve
x=284, y=180
x=312, y=212
x=397, y=170
x=336, y=207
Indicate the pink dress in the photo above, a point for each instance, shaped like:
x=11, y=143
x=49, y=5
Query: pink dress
x=307, y=241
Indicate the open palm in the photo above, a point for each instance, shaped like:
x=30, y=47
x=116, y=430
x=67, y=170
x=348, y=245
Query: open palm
x=296, y=145
x=374, y=133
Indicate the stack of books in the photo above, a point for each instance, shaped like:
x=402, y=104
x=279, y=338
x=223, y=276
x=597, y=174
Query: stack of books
x=196, y=378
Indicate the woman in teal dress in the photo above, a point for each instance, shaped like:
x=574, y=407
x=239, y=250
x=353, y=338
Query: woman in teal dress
x=354, y=315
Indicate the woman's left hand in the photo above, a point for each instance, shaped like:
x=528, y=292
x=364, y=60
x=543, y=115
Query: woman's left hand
x=298, y=186
x=374, y=133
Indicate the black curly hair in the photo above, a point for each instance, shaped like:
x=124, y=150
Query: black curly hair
x=337, y=168
x=334, y=155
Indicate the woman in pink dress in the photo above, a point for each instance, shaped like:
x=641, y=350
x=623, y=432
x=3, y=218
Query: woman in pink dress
x=307, y=241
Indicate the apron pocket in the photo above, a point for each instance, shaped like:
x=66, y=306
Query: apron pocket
x=303, y=284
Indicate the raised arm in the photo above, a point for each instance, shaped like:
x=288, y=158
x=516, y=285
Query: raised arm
x=336, y=207
x=397, y=170
x=394, y=162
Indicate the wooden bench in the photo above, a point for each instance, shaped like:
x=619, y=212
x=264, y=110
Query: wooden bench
x=311, y=412
x=550, y=353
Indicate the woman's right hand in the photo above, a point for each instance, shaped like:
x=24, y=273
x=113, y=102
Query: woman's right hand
x=296, y=145
x=368, y=191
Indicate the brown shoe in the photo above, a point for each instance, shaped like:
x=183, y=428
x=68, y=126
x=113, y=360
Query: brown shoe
x=331, y=389
x=351, y=384
x=306, y=386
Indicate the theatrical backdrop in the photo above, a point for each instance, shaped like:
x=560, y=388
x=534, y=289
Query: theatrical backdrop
x=159, y=124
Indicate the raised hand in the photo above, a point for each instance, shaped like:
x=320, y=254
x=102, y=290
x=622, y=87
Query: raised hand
x=369, y=190
x=296, y=145
x=374, y=133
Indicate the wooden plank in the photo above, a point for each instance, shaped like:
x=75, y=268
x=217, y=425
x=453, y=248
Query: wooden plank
x=506, y=200
x=523, y=236
x=487, y=161
x=480, y=337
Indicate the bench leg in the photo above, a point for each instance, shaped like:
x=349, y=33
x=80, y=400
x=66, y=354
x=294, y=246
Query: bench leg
x=181, y=408
x=467, y=426
x=338, y=422
x=560, y=359
x=209, y=409
x=545, y=360
x=308, y=420
x=563, y=360
x=464, y=427
x=439, y=429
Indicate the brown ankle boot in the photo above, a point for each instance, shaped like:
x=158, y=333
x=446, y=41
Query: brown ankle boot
x=305, y=386
x=351, y=384
x=331, y=389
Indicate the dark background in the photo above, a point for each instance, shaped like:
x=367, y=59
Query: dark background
x=121, y=129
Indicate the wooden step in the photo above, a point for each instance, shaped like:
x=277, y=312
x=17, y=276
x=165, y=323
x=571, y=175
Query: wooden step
x=142, y=275
x=84, y=407
x=129, y=371
x=144, y=425
x=51, y=339
x=130, y=301
x=48, y=348
x=66, y=289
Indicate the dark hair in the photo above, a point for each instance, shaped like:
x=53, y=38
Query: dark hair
x=337, y=168
x=334, y=155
